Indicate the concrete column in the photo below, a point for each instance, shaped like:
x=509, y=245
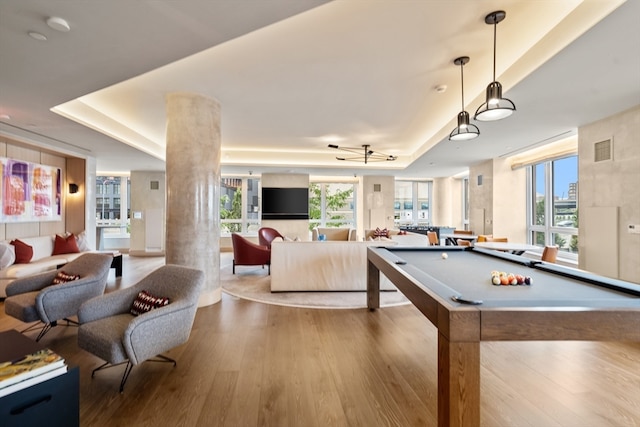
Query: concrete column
x=193, y=188
x=442, y=202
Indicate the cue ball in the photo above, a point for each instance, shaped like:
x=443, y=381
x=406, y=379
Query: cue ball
x=444, y=255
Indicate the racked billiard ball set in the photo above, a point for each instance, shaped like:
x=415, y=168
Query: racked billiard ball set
x=500, y=278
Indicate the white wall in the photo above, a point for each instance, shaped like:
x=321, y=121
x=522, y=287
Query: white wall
x=498, y=205
x=611, y=184
x=144, y=200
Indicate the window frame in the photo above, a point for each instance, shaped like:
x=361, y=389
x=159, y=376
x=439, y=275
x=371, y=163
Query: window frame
x=549, y=229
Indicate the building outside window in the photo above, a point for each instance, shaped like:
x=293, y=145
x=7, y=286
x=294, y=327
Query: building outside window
x=113, y=203
x=411, y=204
x=332, y=205
x=553, y=207
x=239, y=205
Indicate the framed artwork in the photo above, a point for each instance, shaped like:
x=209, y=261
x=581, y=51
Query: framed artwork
x=30, y=192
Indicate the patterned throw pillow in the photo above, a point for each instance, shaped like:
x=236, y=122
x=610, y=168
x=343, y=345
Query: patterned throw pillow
x=381, y=233
x=146, y=302
x=63, y=277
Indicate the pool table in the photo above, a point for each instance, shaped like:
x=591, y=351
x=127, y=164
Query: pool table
x=560, y=304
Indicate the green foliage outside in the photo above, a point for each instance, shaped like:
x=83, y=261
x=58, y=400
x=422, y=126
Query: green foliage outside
x=558, y=238
x=334, y=203
x=234, y=213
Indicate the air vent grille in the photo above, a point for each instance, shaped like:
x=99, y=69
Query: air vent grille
x=602, y=151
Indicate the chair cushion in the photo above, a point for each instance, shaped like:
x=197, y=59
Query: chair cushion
x=146, y=302
x=103, y=337
x=22, y=307
x=62, y=277
x=65, y=245
x=24, y=252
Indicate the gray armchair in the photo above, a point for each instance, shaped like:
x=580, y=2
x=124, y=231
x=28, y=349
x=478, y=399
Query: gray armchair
x=109, y=330
x=35, y=299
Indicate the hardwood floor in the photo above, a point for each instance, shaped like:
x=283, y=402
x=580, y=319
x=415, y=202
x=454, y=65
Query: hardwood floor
x=250, y=364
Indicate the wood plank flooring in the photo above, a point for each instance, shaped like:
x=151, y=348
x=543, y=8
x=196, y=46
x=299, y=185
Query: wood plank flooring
x=250, y=364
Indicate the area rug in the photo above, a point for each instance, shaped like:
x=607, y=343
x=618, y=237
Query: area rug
x=253, y=283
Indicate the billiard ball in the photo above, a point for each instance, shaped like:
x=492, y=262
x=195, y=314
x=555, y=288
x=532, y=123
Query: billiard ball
x=444, y=255
x=527, y=280
x=495, y=280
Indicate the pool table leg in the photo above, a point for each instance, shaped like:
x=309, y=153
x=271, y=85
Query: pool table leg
x=373, y=286
x=458, y=383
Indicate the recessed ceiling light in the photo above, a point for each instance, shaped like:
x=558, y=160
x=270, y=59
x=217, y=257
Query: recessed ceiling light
x=58, y=24
x=37, y=36
x=441, y=88
x=5, y=117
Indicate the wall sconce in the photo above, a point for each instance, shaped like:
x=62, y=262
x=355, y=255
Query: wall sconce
x=73, y=188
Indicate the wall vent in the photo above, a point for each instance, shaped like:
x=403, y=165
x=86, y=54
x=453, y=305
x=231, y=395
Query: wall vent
x=602, y=151
x=155, y=185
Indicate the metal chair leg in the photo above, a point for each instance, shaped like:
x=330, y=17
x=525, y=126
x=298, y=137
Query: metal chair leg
x=127, y=370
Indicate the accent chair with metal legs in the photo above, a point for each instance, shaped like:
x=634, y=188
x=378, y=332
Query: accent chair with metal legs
x=109, y=330
x=245, y=252
x=37, y=299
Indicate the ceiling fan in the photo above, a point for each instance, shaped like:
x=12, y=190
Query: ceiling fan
x=364, y=154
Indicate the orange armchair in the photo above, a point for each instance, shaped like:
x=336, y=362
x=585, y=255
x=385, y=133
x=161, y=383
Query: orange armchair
x=266, y=236
x=246, y=252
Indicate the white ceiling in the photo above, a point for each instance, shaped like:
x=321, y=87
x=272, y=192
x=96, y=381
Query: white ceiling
x=290, y=73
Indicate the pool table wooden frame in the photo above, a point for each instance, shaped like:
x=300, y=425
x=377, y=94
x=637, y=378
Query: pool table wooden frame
x=461, y=327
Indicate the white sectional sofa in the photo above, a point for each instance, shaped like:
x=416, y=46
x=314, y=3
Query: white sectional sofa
x=322, y=266
x=41, y=261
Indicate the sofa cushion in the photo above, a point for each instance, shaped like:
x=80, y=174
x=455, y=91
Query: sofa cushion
x=83, y=243
x=7, y=255
x=146, y=302
x=24, y=252
x=65, y=245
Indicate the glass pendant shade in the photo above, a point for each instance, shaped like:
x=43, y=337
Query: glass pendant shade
x=464, y=131
x=495, y=107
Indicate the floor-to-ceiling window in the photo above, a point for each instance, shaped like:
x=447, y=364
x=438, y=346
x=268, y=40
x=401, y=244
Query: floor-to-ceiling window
x=553, y=207
x=239, y=205
x=465, y=202
x=112, y=211
x=411, y=204
x=332, y=205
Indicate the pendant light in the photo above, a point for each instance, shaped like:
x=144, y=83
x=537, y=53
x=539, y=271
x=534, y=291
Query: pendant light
x=464, y=130
x=496, y=107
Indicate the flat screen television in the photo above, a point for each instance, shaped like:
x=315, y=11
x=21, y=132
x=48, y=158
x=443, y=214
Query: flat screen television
x=285, y=203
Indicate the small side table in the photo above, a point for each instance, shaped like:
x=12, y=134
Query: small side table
x=117, y=263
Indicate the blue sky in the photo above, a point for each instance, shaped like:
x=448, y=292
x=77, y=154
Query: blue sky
x=565, y=172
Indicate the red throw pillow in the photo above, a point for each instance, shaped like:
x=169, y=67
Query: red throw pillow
x=65, y=245
x=24, y=252
x=145, y=302
x=63, y=277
